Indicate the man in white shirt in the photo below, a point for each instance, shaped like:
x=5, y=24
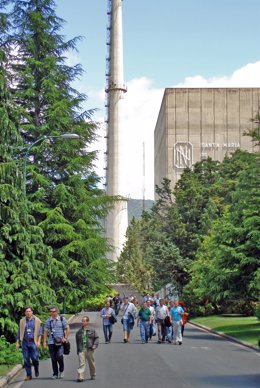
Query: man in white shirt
x=161, y=312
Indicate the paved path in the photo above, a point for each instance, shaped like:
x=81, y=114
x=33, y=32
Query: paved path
x=203, y=361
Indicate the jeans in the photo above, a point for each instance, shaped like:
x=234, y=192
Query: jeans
x=56, y=353
x=144, y=330
x=108, y=330
x=30, y=351
x=117, y=308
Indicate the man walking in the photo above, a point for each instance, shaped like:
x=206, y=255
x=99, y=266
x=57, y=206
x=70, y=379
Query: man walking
x=128, y=318
x=161, y=312
x=29, y=333
x=105, y=314
x=87, y=341
x=57, y=330
x=117, y=301
x=145, y=319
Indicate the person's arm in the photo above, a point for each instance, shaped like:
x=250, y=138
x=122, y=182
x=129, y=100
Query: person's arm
x=17, y=344
x=66, y=332
x=38, y=343
x=47, y=327
x=45, y=334
x=96, y=340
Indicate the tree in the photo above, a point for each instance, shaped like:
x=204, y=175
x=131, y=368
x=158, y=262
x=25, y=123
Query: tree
x=62, y=185
x=25, y=262
x=226, y=269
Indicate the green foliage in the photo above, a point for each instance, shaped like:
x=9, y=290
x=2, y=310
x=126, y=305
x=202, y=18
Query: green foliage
x=203, y=237
x=258, y=309
x=94, y=303
x=25, y=261
x=8, y=353
x=60, y=182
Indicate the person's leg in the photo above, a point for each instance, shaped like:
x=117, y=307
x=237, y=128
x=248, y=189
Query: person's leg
x=105, y=333
x=110, y=332
x=82, y=365
x=125, y=329
x=159, y=328
x=178, y=333
x=147, y=331
x=26, y=357
x=60, y=359
x=142, y=331
x=91, y=364
x=34, y=354
x=54, y=361
x=163, y=331
x=174, y=329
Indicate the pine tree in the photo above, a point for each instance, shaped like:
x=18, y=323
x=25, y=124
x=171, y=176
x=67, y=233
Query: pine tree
x=61, y=182
x=25, y=261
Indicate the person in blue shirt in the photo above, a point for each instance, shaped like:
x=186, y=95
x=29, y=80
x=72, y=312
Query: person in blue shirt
x=105, y=314
x=57, y=330
x=29, y=334
x=176, y=313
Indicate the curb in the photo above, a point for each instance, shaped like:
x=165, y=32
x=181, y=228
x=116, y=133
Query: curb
x=228, y=337
x=5, y=380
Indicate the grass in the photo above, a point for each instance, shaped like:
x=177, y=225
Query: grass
x=4, y=369
x=246, y=329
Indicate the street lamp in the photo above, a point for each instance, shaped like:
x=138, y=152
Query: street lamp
x=62, y=136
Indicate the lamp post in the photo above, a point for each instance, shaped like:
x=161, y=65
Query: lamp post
x=62, y=136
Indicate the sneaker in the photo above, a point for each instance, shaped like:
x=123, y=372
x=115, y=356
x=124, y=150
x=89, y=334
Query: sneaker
x=180, y=343
x=80, y=380
x=61, y=375
x=54, y=377
x=36, y=373
x=27, y=378
x=125, y=340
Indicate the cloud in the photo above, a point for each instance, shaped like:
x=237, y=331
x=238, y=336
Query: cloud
x=247, y=76
x=141, y=109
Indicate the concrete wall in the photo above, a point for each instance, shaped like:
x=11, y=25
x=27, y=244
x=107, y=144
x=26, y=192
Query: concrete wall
x=196, y=123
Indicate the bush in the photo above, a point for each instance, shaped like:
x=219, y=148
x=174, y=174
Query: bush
x=258, y=310
x=93, y=304
x=8, y=353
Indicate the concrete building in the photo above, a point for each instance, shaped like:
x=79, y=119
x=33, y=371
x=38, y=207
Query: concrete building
x=196, y=123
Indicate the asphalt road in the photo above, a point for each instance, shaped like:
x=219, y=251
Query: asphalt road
x=203, y=361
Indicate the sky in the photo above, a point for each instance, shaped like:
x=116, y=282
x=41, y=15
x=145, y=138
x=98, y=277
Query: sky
x=167, y=43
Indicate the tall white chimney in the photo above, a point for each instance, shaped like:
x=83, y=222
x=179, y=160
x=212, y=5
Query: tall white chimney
x=117, y=220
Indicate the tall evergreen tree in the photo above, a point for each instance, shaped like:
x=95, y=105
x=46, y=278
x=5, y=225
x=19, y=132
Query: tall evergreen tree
x=25, y=262
x=61, y=181
x=226, y=269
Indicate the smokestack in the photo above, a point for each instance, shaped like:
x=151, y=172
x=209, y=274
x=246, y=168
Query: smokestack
x=117, y=220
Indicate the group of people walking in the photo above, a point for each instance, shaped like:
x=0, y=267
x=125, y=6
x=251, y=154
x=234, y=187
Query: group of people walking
x=55, y=333
x=170, y=317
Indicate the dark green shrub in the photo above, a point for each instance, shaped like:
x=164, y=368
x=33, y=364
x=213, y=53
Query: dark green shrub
x=8, y=353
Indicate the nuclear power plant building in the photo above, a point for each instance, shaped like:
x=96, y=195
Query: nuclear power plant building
x=197, y=123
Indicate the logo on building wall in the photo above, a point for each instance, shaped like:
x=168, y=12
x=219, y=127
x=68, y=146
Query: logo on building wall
x=183, y=154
